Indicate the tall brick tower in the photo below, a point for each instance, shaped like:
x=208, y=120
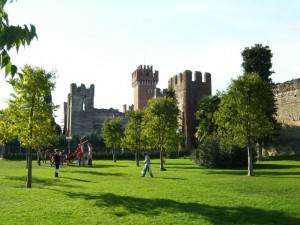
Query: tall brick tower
x=144, y=82
x=188, y=93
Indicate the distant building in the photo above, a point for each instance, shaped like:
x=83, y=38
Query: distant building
x=188, y=93
x=80, y=116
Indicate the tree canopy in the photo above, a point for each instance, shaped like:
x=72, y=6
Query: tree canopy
x=159, y=126
x=206, y=109
x=29, y=115
x=258, y=59
x=241, y=115
x=12, y=37
x=112, y=133
x=133, y=133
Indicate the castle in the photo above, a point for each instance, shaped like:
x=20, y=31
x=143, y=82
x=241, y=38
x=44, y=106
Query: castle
x=81, y=117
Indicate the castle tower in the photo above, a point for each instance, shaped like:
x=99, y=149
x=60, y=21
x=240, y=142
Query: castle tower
x=188, y=93
x=144, y=82
x=79, y=110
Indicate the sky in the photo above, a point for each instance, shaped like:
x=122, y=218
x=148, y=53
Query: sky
x=102, y=42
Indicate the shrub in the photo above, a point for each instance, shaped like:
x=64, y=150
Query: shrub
x=219, y=153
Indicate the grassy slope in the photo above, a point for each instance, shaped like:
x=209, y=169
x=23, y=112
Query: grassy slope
x=113, y=193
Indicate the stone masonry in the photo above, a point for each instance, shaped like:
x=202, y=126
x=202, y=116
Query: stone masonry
x=80, y=116
x=188, y=93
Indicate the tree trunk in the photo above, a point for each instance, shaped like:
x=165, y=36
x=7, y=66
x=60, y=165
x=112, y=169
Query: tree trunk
x=29, y=169
x=249, y=150
x=259, y=150
x=114, y=155
x=137, y=158
x=161, y=159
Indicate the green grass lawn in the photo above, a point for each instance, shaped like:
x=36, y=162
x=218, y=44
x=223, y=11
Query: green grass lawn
x=114, y=193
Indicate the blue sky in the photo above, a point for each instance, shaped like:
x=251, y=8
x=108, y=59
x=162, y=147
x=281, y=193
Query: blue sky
x=103, y=42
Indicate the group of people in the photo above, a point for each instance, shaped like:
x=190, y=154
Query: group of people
x=83, y=151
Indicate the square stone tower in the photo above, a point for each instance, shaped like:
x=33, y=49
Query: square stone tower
x=188, y=93
x=79, y=110
x=144, y=82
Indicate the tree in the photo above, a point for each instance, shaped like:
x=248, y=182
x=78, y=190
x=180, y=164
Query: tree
x=160, y=125
x=241, y=115
x=112, y=133
x=258, y=59
x=12, y=37
x=133, y=133
x=29, y=117
x=206, y=109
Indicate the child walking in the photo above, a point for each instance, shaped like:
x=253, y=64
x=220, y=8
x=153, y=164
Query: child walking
x=147, y=165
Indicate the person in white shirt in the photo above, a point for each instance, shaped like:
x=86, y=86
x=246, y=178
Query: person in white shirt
x=147, y=165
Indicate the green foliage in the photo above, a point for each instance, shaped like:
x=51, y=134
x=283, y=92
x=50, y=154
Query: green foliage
x=206, y=109
x=160, y=125
x=12, y=37
x=245, y=103
x=170, y=93
x=258, y=59
x=29, y=117
x=133, y=131
x=112, y=133
x=216, y=153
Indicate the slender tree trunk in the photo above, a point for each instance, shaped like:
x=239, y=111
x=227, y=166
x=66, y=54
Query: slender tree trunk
x=137, y=158
x=259, y=150
x=114, y=155
x=29, y=169
x=27, y=158
x=161, y=158
x=249, y=150
x=29, y=175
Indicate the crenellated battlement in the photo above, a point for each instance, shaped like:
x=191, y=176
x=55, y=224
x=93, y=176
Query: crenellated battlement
x=185, y=78
x=144, y=75
x=82, y=90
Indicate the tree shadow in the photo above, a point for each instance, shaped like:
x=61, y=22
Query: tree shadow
x=227, y=172
x=40, y=182
x=98, y=173
x=98, y=166
x=274, y=166
x=213, y=214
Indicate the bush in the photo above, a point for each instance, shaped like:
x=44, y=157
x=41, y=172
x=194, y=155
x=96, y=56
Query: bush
x=220, y=153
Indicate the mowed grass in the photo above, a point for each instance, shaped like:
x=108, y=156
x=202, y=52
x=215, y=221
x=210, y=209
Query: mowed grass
x=114, y=193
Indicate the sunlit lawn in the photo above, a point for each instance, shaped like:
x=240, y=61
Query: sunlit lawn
x=114, y=193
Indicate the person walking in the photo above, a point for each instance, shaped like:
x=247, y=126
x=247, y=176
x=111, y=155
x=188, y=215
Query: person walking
x=147, y=165
x=57, y=161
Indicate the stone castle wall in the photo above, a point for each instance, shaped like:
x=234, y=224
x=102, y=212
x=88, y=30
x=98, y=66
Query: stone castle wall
x=80, y=115
x=287, y=95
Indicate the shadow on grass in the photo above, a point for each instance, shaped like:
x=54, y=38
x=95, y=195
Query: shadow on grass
x=99, y=173
x=274, y=166
x=295, y=157
x=97, y=166
x=213, y=214
x=41, y=182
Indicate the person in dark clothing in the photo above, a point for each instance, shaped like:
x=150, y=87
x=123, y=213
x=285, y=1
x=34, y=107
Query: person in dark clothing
x=57, y=161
